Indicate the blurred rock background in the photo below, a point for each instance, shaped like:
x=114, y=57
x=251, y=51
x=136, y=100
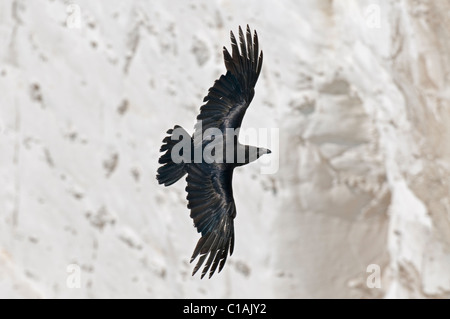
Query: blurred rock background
x=359, y=91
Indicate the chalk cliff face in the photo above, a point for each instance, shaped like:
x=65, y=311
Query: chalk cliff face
x=358, y=91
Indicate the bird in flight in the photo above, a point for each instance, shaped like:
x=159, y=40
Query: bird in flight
x=210, y=156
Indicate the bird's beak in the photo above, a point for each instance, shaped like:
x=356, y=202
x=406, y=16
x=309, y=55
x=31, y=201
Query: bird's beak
x=269, y=151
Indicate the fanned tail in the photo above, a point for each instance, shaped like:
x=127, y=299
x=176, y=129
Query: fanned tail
x=173, y=163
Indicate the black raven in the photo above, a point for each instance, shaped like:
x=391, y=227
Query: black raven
x=209, y=181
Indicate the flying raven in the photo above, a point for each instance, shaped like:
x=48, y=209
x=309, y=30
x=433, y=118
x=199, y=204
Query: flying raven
x=209, y=181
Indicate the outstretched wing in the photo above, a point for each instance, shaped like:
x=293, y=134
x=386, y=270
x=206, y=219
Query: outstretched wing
x=210, y=199
x=232, y=93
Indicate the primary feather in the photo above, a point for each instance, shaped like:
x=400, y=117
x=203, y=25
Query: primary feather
x=209, y=185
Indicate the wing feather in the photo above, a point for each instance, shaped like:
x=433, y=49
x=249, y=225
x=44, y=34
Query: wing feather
x=213, y=211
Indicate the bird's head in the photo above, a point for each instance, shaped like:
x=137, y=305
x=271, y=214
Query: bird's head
x=261, y=151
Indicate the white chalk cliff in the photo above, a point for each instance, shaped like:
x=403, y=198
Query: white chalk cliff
x=360, y=93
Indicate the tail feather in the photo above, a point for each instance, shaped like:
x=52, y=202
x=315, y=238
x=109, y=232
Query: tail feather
x=170, y=172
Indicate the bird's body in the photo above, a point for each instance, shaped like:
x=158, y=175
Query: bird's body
x=211, y=154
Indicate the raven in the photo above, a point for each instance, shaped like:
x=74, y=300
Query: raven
x=209, y=182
